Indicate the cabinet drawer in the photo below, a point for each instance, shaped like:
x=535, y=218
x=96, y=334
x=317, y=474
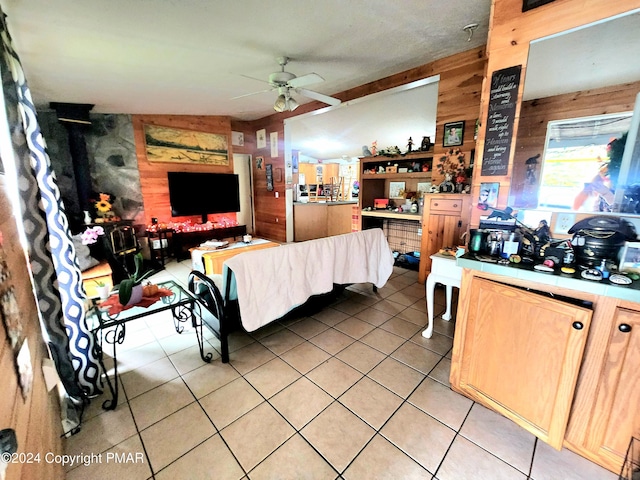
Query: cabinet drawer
x=446, y=205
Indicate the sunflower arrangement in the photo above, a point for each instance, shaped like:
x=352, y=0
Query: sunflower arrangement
x=104, y=207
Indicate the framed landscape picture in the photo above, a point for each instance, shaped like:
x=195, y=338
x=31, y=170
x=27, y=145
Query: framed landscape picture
x=177, y=145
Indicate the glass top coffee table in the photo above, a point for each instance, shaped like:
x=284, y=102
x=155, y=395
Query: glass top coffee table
x=111, y=328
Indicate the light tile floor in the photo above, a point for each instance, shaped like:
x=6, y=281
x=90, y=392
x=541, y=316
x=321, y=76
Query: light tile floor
x=351, y=392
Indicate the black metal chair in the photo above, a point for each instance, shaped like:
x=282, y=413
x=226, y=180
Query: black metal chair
x=213, y=310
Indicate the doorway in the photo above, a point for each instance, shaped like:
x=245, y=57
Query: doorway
x=242, y=168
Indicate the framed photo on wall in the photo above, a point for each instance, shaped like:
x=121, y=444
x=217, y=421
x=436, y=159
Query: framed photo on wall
x=453, y=134
x=488, y=197
x=261, y=138
x=274, y=144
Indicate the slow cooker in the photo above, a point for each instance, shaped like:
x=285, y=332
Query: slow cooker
x=600, y=238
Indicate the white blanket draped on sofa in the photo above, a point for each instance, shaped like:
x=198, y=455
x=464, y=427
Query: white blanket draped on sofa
x=272, y=282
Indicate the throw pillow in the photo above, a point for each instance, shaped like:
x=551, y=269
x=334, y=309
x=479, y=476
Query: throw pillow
x=85, y=260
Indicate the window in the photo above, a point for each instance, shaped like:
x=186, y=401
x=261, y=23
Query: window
x=576, y=173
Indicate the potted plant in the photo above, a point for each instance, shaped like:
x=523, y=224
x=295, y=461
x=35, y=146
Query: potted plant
x=130, y=290
x=102, y=289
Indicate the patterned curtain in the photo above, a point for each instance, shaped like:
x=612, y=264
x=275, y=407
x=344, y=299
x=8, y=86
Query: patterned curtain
x=57, y=277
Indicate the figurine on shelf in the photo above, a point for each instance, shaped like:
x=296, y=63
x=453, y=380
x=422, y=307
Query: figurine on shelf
x=365, y=151
x=426, y=144
x=410, y=145
x=543, y=232
x=374, y=148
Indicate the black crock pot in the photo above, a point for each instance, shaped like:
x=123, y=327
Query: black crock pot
x=600, y=238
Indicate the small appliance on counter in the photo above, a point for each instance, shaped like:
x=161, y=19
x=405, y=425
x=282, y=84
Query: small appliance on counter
x=600, y=238
x=301, y=193
x=498, y=243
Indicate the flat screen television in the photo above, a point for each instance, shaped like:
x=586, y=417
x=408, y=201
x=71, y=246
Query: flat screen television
x=192, y=193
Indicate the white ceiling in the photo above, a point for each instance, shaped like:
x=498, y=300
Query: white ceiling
x=194, y=56
x=388, y=118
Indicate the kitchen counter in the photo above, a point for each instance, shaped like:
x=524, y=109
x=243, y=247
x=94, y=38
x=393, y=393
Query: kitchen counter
x=318, y=220
x=525, y=271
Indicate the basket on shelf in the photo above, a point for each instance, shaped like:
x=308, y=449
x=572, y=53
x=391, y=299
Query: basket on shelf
x=631, y=466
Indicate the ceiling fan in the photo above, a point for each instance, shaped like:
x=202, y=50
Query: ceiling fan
x=286, y=82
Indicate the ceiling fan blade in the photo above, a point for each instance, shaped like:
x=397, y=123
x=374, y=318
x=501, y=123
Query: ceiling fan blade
x=253, y=93
x=253, y=78
x=319, y=96
x=307, y=79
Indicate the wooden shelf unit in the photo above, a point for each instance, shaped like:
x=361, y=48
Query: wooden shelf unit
x=376, y=185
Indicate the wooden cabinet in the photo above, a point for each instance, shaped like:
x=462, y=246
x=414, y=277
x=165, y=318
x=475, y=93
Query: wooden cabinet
x=605, y=414
x=319, y=173
x=444, y=219
x=519, y=354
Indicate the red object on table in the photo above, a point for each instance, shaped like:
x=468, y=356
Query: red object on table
x=115, y=307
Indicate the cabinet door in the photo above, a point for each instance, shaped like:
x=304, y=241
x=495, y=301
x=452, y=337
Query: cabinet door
x=439, y=230
x=443, y=231
x=521, y=354
x=444, y=220
x=616, y=416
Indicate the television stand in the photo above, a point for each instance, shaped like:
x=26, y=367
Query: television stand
x=183, y=241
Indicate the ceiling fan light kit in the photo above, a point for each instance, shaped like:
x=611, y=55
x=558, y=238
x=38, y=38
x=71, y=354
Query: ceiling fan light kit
x=285, y=102
x=284, y=82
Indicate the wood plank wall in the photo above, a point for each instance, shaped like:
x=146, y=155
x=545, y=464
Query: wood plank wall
x=269, y=206
x=536, y=114
x=458, y=99
x=36, y=419
x=153, y=176
x=510, y=32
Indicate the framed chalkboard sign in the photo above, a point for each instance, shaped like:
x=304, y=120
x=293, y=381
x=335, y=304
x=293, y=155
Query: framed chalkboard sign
x=500, y=118
x=529, y=4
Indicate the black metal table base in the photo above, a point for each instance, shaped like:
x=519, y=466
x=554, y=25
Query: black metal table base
x=181, y=314
x=116, y=334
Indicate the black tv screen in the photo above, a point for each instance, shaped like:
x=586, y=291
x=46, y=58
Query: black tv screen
x=203, y=193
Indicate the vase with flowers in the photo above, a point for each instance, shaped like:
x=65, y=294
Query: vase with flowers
x=452, y=167
x=91, y=234
x=104, y=208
